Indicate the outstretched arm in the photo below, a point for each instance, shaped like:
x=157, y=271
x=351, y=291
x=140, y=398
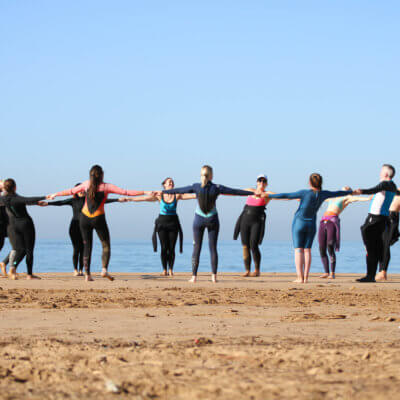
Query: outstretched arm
x=354, y=199
x=384, y=185
x=289, y=196
x=141, y=198
x=29, y=201
x=187, y=196
x=236, y=192
x=181, y=190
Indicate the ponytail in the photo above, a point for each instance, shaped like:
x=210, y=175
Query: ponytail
x=206, y=175
x=316, y=181
x=96, y=178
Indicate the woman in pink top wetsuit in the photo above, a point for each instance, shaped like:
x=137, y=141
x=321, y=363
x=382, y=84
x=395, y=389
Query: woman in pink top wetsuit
x=93, y=216
x=251, y=226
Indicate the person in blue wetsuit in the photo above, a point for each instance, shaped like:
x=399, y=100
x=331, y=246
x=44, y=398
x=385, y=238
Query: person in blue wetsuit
x=206, y=216
x=304, y=222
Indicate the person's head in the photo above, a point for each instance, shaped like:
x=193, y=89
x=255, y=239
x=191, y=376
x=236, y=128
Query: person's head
x=206, y=175
x=96, y=175
x=10, y=186
x=316, y=181
x=1, y=184
x=168, y=183
x=262, y=181
x=387, y=172
x=81, y=194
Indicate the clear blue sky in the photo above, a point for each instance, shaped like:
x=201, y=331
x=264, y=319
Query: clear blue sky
x=158, y=88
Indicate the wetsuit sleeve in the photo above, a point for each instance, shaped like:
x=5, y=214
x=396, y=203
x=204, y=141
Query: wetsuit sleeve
x=29, y=200
x=181, y=190
x=237, y=192
x=110, y=188
x=293, y=195
x=66, y=202
x=328, y=194
x=77, y=189
x=111, y=201
x=384, y=185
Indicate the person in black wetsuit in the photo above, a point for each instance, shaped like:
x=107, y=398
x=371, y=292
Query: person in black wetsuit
x=3, y=229
x=21, y=230
x=206, y=216
x=93, y=217
x=167, y=225
x=377, y=221
x=76, y=202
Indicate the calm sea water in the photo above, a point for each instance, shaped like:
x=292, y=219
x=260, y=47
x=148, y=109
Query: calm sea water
x=138, y=256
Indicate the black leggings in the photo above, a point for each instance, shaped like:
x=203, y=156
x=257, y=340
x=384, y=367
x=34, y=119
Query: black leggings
x=373, y=234
x=22, y=238
x=251, y=226
x=77, y=244
x=2, y=238
x=168, y=240
x=199, y=225
x=87, y=226
x=390, y=237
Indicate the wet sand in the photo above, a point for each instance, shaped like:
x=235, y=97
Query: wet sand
x=149, y=337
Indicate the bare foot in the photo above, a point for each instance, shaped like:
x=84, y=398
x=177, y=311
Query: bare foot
x=331, y=276
x=80, y=273
x=105, y=274
x=76, y=273
x=171, y=272
x=30, y=277
x=88, y=278
x=246, y=274
x=193, y=279
x=298, y=281
x=13, y=274
x=324, y=276
x=255, y=274
x=381, y=276
x=3, y=269
x=214, y=278
x=164, y=273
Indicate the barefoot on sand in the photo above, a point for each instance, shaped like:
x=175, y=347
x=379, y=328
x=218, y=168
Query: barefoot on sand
x=381, y=276
x=214, y=278
x=193, y=279
x=324, y=276
x=3, y=269
x=30, y=277
x=88, y=278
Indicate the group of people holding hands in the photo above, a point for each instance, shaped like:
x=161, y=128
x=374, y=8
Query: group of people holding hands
x=88, y=199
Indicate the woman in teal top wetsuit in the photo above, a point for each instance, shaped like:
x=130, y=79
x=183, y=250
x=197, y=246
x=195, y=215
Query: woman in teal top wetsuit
x=167, y=225
x=304, y=222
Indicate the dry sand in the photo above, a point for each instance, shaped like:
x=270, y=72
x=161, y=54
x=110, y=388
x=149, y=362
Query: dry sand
x=257, y=338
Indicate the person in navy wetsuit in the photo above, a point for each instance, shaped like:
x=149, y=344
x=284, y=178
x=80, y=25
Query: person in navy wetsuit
x=304, y=222
x=206, y=216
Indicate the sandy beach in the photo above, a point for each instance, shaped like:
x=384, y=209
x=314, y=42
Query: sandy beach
x=152, y=337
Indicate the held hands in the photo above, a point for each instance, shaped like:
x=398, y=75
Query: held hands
x=357, y=191
x=43, y=203
x=123, y=199
x=51, y=196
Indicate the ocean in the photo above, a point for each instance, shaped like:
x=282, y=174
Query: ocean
x=138, y=256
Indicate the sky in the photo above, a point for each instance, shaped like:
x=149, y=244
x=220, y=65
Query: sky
x=159, y=88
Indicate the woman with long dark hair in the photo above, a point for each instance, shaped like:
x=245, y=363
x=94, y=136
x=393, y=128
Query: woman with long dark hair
x=77, y=201
x=167, y=225
x=206, y=216
x=93, y=217
x=20, y=229
x=304, y=221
